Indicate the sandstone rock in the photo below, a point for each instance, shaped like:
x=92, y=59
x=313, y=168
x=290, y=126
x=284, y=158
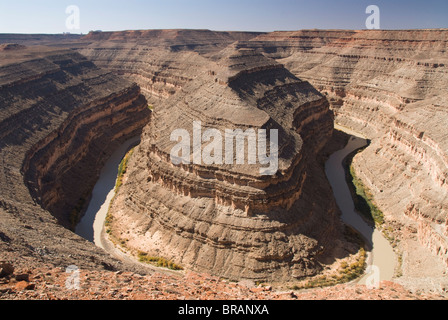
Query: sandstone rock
x=389, y=85
x=6, y=269
x=22, y=277
x=24, y=285
x=229, y=219
x=60, y=118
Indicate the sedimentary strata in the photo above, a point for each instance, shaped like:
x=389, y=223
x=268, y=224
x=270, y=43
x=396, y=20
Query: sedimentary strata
x=159, y=61
x=60, y=119
x=391, y=86
x=228, y=219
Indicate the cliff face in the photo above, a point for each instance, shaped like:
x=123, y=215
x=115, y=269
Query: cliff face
x=159, y=61
x=391, y=86
x=228, y=219
x=60, y=119
x=376, y=82
x=369, y=76
x=407, y=171
x=159, y=72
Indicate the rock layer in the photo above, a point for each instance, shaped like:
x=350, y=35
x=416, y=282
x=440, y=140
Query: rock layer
x=159, y=61
x=391, y=86
x=61, y=117
x=228, y=219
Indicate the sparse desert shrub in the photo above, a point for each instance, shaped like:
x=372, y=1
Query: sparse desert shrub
x=158, y=261
x=346, y=273
x=363, y=200
x=362, y=196
x=122, y=168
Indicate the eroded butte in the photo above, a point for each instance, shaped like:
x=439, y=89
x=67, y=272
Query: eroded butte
x=65, y=107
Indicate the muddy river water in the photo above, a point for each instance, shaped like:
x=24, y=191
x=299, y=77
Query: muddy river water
x=92, y=223
x=381, y=258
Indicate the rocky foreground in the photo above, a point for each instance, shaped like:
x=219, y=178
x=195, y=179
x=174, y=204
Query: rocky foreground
x=57, y=284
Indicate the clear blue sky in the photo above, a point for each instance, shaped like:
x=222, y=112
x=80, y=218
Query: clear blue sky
x=45, y=16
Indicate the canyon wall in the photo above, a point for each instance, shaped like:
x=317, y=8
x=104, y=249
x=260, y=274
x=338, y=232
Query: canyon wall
x=390, y=86
x=376, y=83
x=159, y=61
x=229, y=219
x=61, y=117
x=225, y=219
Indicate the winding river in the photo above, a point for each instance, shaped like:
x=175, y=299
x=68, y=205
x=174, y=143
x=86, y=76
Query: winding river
x=91, y=224
x=381, y=259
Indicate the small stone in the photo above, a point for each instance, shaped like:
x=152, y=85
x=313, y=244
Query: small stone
x=23, y=277
x=23, y=285
x=6, y=269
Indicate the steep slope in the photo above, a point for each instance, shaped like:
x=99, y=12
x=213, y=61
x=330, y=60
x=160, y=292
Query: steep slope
x=391, y=86
x=60, y=118
x=159, y=61
x=229, y=219
x=159, y=72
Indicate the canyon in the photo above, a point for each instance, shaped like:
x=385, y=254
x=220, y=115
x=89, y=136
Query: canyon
x=232, y=220
x=61, y=117
x=65, y=107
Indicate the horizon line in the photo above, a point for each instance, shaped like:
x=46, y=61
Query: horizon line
x=241, y=31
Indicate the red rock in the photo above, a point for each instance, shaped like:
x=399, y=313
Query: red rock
x=23, y=285
x=23, y=277
x=6, y=269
